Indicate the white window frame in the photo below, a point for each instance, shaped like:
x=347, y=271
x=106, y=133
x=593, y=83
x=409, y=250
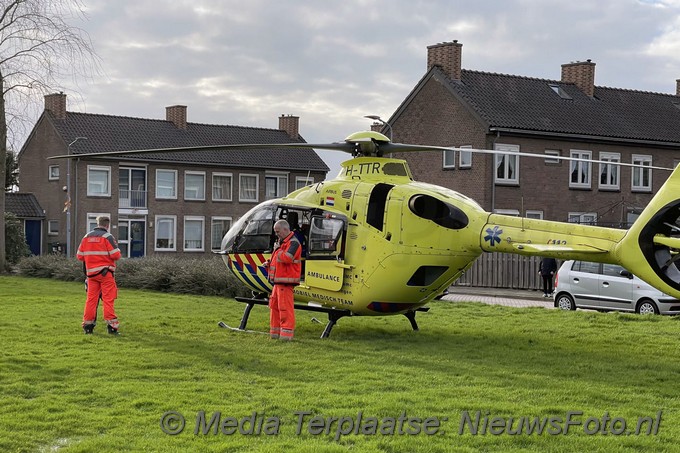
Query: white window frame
x=157, y=220
x=212, y=230
x=465, y=157
x=279, y=178
x=52, y=227
x=231, y=186
x=580, y=154
x=303, y=181
x=513, y=151
x=550, y=160
x=612, y=171
x=53, y=173
x=174, y=188
x=103, y=168
x=198, y=196
x=91, y=220
x=241, y=197
x=534, y=214
x=641, y=159
x=449, y=159
x=582, y=217
x=510, y=212
x=194, y=218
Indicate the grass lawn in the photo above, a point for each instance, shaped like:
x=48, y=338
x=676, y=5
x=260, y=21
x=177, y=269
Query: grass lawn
x=63, y=391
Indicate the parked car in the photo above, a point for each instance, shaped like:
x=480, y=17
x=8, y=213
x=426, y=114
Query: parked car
x=605, y=287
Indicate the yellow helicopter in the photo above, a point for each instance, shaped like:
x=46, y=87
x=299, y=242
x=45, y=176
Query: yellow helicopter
x=376, y=242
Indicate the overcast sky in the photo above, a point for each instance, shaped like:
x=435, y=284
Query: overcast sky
x=332, y=62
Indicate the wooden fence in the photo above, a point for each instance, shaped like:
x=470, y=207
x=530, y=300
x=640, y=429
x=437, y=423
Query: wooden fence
x=504, y=270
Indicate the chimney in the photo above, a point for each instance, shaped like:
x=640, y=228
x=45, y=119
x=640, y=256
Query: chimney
x=178, y=115
x=446, y=55
x=581, y=74
x=55, y=103
x=290, y=125
x=677, y=87
x=377, y=127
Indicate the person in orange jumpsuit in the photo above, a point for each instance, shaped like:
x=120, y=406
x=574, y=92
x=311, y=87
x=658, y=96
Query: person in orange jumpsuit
x=99, y=251
x=284, y=273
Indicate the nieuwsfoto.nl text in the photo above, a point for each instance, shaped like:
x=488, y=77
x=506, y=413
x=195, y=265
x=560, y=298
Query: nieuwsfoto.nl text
x=469, y=422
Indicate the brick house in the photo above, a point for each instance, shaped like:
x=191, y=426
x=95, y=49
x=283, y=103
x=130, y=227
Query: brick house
x=160, y=203
x=451, y=106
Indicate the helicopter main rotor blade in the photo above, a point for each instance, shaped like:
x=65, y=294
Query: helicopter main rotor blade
x=345, y=147
x=398, y=147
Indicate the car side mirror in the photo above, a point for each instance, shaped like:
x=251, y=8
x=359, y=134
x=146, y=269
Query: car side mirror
x=625, y=273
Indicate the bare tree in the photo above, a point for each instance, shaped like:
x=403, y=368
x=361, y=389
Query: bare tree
x=39, y=49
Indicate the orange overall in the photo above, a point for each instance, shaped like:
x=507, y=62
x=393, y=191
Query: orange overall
x=99, y=251
x=284, y=273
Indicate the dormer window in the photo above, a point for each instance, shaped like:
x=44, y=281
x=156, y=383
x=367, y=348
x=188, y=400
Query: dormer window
x=560, y=92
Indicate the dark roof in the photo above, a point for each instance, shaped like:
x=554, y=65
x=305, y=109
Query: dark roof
x=23, y=205
x=530, y=104
x=121, y=133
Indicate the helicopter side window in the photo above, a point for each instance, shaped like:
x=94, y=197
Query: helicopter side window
x=325, y=236
x=375, y=215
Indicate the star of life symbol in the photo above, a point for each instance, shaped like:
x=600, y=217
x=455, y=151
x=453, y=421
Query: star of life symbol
x=493, y=235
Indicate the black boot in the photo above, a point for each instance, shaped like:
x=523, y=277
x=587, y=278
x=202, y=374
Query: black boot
x=112, y=330
x=88, y=329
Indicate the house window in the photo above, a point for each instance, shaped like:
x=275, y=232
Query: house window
x=193, y=233
x=248, y=187
x=551, y=160
x=609, y=173
x=221, y=186
x=585, y=218
x=507, y=165
x=132, y=187
x=98, y=181
x=194, y=185
x=166, y=184
x=449, y=158
x=641, y=178
x=92, y=219
x=166, y=233
x=465, y=157
x=302, y=181
x=219, y=227
x=53, y=174
x=275, y=186
x=579, y=170
x=532, y=214
x=52, y=227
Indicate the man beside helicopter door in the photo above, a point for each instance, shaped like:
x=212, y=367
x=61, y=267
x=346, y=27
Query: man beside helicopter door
x=284, y=272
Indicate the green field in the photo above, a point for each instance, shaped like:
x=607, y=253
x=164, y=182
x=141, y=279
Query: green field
x=373, y=386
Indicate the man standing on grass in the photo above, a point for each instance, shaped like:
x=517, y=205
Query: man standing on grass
x=284, y=272
x=99, y=251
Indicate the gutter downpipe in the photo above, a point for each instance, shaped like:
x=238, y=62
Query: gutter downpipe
x=493, y=172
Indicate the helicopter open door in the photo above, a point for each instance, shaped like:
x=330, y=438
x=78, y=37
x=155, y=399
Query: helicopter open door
x=324, y=267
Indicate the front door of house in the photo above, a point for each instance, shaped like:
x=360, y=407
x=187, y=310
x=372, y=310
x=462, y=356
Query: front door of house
x=131, y=237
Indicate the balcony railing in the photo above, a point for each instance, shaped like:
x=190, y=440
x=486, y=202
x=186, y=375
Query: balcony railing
x=132, y=199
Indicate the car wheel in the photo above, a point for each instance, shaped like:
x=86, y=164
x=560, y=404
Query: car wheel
x=565, y=302
x=647, y=307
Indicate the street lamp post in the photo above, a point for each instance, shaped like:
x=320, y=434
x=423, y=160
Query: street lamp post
x=377, y=118
x=68, y=196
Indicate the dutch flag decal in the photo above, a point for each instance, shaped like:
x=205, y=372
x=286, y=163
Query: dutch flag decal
x=330, y=201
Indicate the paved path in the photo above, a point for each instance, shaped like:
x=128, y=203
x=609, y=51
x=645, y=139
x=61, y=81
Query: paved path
x=509, y=298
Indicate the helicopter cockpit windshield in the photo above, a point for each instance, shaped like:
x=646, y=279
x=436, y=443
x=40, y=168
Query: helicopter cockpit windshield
x=253, y=232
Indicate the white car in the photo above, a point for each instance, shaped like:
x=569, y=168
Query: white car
x=605, y=287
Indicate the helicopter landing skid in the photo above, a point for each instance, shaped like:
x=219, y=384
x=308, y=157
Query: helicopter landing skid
x=333, y=314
